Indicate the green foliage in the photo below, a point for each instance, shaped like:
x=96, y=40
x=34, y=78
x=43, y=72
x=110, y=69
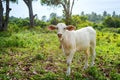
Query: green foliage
x=51, y=2
x=40, y=23
x=80, y=21
x=98, y=26
x=34, y=54
x=96, y=74
x=76, y=20
x=114, y=75
x=118, y=44
x=22, y=22
x=85, y=24
x=112, y=22
x=78, y=76
x=115, y=30
x=13, y=28
x=50, y=76
x=54, y=21
x=39, y=56
x=118, y=30
x=19, y=21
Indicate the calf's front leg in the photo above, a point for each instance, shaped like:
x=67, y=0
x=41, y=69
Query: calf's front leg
x=69, y=59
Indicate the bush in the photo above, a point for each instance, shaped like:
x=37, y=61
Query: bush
x=50, y=76
x=96, y=74
x=19, y=40
x=14, y=42
x=112, y=22
x=114, y=75
x=98, y=26
x=40, y=56
x=20, y=22
x=80, y=21
x=42, y=24
x=118, y=44
x=118, y=31
x=85, y=24
x=78, y=76
x=13, y=28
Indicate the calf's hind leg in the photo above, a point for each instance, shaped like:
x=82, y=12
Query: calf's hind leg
x=86, y=58
x=93, y=55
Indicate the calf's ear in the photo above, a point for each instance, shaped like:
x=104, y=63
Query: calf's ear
x=51, y=27
x=70, y=27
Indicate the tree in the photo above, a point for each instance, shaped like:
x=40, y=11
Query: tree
x=53, y=15
x=44, y=18
x=114, y=14
x=54, y=19
x=4, y=20
x=8, y=9
x=104, y=13
x=1, y=15
x=31, y=16
x=82, y=13
x=66, y=4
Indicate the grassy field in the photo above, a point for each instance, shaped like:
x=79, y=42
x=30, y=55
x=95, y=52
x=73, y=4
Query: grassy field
x=35, y=55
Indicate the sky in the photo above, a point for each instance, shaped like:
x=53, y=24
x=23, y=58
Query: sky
x=88, y=6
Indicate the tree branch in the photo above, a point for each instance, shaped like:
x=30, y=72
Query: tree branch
x=10, y=9
x=64, y=6
x=26, y=2
x=65, y=1
x=34, y=16
x=68, y=6
x=72, y=6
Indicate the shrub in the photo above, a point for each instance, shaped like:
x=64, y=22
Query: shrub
x=13, y=28
x=78, y=76
x=40, y=23
x=118, y=44
x=96, y=74
x=98, y=26
x=118, y=31
x=112, y=22
x=40, y=56
x=50, y=76
x=114, y=75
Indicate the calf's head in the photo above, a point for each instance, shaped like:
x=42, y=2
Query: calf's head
x=61, y=28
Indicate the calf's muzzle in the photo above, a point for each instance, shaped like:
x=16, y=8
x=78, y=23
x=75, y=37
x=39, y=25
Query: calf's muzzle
x=59, y=35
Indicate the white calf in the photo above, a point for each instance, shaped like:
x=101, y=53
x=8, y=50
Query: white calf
x=72, y=41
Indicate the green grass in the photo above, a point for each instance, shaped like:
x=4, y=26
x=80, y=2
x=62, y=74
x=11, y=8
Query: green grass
x=35, y=55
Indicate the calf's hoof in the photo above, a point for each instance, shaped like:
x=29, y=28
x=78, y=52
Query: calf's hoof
x=85, y=67
x=92, y=64
x=68, y=72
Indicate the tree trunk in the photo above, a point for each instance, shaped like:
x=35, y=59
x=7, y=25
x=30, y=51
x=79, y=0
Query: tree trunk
x=31, y=16
x=67, y=10
x=1, y=15
x=6, y=15
x=67, y=18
